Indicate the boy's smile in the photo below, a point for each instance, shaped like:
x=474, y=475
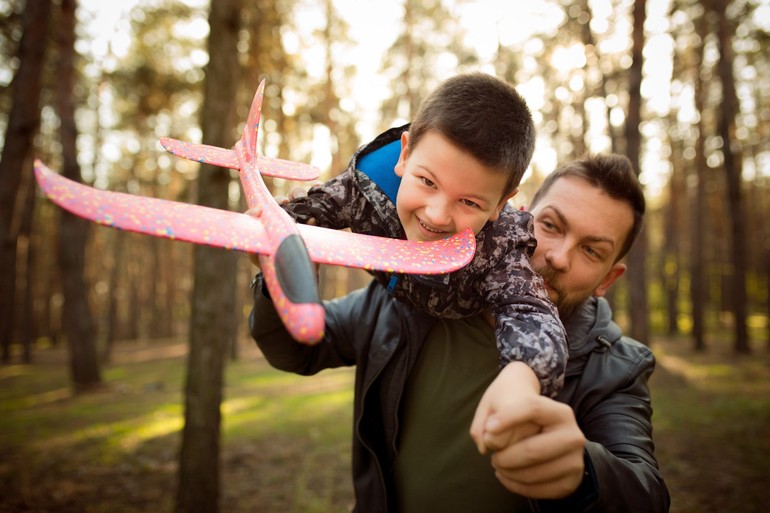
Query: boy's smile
x=445, y=189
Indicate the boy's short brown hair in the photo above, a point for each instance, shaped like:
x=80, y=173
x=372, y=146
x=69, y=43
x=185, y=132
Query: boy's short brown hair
x=484, y=116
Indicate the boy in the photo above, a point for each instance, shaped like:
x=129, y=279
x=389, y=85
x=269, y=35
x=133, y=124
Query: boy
x=456, y=166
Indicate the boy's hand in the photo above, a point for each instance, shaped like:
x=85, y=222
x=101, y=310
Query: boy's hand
x=514, y=389
x=296, y=192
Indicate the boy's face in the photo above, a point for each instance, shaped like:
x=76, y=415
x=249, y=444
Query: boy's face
x=445, y=189
x=580, y=230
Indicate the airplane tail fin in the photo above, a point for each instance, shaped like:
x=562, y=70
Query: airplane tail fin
x=201, y=153
x=205, y=154
x=251, y=129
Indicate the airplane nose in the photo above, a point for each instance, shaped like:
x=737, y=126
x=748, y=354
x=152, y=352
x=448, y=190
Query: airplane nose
x=295, y=272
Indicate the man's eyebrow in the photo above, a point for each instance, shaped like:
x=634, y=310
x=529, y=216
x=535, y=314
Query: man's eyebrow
x=602, y=239
x=590, y=238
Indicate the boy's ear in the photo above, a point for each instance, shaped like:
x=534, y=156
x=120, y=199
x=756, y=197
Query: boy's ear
x=399, y=169
x=613, y=274
x=502, y=203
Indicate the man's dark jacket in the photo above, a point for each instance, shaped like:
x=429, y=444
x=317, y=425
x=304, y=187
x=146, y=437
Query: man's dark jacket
x=606, y=386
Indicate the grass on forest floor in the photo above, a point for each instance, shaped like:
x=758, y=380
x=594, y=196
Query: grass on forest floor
x=286, y=439
x=712, y=426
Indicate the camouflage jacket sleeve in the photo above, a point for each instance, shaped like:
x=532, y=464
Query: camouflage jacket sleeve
x=527, y=325
x=349, y=200
x=332, y=204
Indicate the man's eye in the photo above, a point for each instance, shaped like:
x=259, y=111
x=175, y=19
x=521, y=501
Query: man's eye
x=548, y=225
x=593, y=253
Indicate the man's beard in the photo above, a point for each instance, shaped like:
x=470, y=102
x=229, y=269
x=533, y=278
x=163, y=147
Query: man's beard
x=564, y=303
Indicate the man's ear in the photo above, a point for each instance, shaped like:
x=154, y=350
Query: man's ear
x=613, y=274
x=399, y=169
x=502, y=203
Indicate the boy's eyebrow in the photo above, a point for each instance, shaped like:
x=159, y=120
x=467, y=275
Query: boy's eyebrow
x=590, y=238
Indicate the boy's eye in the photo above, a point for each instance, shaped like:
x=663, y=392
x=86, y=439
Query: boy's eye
x=427, y=181
x=470, y=203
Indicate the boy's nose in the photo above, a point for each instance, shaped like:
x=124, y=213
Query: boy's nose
x=438, y=213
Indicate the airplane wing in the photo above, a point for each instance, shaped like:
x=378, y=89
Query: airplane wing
x=337, y=247
x=243, y=232
x=155, y=216
x=278, y=168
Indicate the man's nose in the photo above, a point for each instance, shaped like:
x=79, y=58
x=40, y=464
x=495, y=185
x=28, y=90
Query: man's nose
x=557, y=257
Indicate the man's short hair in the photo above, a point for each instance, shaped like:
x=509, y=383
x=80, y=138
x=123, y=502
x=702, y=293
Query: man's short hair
x=612, y=173
x=483, y=116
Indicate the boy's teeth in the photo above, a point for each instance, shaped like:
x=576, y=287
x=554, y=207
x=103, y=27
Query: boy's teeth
x=429, y=228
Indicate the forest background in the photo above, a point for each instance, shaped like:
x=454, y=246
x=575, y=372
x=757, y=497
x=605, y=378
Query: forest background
x=678, y=86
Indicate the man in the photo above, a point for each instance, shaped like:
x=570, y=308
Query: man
x=587, y=215
x=419, y=383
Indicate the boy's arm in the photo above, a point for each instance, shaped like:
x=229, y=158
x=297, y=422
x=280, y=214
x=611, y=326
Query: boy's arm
x=333, y=204
x=527, y=324
x=513, y=389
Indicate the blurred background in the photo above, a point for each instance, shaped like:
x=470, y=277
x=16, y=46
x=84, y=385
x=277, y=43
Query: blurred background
x=681, y=87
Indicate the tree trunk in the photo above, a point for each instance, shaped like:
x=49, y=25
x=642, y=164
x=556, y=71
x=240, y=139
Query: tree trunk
x=733, y=170
x=412, y=94
x=26, y=326
x=699, y=204
x=23, y=122
x=637, y=281
x=212, y=316
x=670, y=269
x=77, y=318
x=132, y=327
x=113, y=297
x=767, y=286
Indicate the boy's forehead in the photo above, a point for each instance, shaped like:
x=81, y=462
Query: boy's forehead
x=436, y=154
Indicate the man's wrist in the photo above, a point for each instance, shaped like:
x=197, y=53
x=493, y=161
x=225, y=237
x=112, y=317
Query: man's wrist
x=586, y=494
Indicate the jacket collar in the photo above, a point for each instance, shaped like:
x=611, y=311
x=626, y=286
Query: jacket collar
x=590, y=328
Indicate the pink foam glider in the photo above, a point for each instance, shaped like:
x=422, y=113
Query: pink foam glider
x=286, y=249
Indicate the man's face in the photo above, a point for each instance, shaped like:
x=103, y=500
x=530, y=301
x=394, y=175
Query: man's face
x=579, y=230
x=445, y=189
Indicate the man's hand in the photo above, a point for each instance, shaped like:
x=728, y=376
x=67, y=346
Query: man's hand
x=536, y=442
x=547, y=465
